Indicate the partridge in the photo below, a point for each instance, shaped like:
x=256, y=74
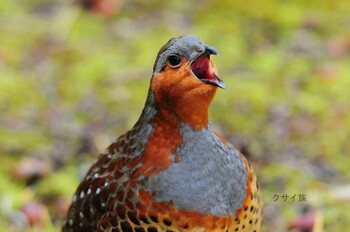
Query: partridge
x=171, y=171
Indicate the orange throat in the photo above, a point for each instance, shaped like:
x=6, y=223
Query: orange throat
x=180, y=94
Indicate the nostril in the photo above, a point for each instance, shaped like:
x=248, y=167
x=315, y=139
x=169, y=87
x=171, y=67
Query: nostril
x=199, y=48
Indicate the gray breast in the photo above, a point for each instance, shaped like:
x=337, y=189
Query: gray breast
x=210, y=177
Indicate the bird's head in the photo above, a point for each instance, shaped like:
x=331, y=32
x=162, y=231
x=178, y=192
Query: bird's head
x=185, y=80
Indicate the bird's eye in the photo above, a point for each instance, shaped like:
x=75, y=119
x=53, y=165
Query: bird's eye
x=174, y=61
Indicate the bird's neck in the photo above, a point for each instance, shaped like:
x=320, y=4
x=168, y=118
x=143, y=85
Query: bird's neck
x=186, y=108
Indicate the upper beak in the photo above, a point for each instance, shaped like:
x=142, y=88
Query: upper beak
x=210, y=50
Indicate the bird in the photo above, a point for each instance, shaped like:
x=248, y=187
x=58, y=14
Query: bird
x=171, y=171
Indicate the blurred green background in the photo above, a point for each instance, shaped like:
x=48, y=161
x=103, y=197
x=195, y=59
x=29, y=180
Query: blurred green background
x=74, y=76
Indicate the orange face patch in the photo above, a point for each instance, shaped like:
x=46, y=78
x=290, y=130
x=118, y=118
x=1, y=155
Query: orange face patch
x=179, y=91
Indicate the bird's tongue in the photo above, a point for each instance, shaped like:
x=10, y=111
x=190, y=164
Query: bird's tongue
x=204, y=71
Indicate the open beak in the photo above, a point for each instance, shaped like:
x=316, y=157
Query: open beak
x=203, y=69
